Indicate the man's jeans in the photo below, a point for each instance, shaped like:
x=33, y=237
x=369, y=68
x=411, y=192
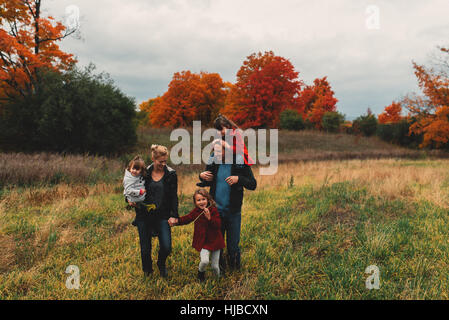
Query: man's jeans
x=230, y=228
x=145, y=227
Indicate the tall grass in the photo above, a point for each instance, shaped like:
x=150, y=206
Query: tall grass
x=307, y=233
x=21, y=169
x=18, y=169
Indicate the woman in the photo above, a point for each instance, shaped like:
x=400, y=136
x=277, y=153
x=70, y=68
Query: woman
x=161, y=183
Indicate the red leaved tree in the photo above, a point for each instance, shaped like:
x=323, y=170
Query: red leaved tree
x=431, y=111
x=28, y=42
x=315, y=100
x=391, y=114
x=266, y=85
x=190, y=97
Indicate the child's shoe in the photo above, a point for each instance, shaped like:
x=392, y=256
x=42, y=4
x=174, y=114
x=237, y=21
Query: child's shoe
x=134, y=223
x=202, y=276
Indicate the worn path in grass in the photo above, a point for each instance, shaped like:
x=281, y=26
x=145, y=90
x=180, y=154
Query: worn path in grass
x=308, y=235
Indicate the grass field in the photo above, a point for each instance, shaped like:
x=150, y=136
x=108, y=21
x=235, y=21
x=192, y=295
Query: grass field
x=309, y=232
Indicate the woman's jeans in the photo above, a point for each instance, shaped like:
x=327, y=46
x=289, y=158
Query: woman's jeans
x=145, y=227
x=230, y=228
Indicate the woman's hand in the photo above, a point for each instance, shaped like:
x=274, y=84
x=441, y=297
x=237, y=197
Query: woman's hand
x=207, y=213
x=223, y=143
x=232, y=180
x=172, y=222
x=207, y=175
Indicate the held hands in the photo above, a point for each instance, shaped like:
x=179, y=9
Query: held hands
x=223, y=143
x=172, y=222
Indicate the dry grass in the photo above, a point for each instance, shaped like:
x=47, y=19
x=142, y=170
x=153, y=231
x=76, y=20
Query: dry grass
x=47, y=168
x=391, y=178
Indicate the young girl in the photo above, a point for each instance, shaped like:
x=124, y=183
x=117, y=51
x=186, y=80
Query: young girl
x=134, y=183
x=228, y=127
x=207, y=237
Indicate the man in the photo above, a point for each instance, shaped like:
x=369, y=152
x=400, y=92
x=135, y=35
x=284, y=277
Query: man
x=226, y=182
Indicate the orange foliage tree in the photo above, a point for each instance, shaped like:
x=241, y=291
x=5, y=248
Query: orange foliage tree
x=190, y=97
x=28, y=42
x=431, y=111
x=266, y=85
x=391, y=114
x=315, y=100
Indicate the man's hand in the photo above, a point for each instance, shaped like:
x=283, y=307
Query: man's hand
x=132, y=204
x=232, y=180
x=207, y=213
x=172, y=222
x=207, y=175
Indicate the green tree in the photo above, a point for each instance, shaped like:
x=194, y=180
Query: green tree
x=77, y=111
x=366, y=124
x=332, y=121
x=291, y=120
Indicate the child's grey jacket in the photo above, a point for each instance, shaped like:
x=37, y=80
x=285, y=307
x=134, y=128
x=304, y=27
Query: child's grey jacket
x=132, y=186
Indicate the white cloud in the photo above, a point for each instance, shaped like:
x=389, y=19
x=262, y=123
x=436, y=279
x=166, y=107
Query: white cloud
x=142, y=43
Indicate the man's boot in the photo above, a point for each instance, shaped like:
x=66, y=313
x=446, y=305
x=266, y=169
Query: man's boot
x=222, y=263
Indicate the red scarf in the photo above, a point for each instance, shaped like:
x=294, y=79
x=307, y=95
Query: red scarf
x=239, y=147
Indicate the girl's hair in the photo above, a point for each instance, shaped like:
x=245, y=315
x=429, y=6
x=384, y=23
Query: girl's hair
x=158, y=151
x=206, y=195
x=138, y=164
x=223, y=122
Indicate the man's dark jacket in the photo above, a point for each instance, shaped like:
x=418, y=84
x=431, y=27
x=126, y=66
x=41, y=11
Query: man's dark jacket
x=246, y=180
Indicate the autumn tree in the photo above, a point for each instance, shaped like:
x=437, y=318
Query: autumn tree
x=28, y=43
x=430, y=112
x=266, y=85
x=315, y=100
x=391, y=114
x=189, y=97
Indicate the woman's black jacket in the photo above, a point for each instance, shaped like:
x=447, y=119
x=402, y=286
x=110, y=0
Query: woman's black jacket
x=169, y=204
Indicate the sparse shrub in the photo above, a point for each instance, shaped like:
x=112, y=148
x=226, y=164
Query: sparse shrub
x=291, y=120
x=332, y=121
x=398, y=133
x=365, y=124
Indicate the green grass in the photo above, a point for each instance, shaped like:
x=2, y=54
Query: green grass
x=298, y=242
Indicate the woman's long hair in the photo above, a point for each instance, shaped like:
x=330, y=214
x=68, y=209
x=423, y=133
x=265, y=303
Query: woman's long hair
x=223, y=122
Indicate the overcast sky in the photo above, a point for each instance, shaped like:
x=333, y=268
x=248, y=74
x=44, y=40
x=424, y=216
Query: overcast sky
x=141, y=43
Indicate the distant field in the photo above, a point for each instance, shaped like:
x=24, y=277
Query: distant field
x=309, y=232
x=17, y=169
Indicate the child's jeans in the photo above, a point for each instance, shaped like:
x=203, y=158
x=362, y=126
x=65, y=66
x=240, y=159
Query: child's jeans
x=214, y=258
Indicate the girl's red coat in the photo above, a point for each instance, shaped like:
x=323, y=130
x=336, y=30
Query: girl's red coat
x=206, y=233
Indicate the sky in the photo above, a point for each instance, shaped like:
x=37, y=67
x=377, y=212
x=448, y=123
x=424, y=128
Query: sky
x=365, y=48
